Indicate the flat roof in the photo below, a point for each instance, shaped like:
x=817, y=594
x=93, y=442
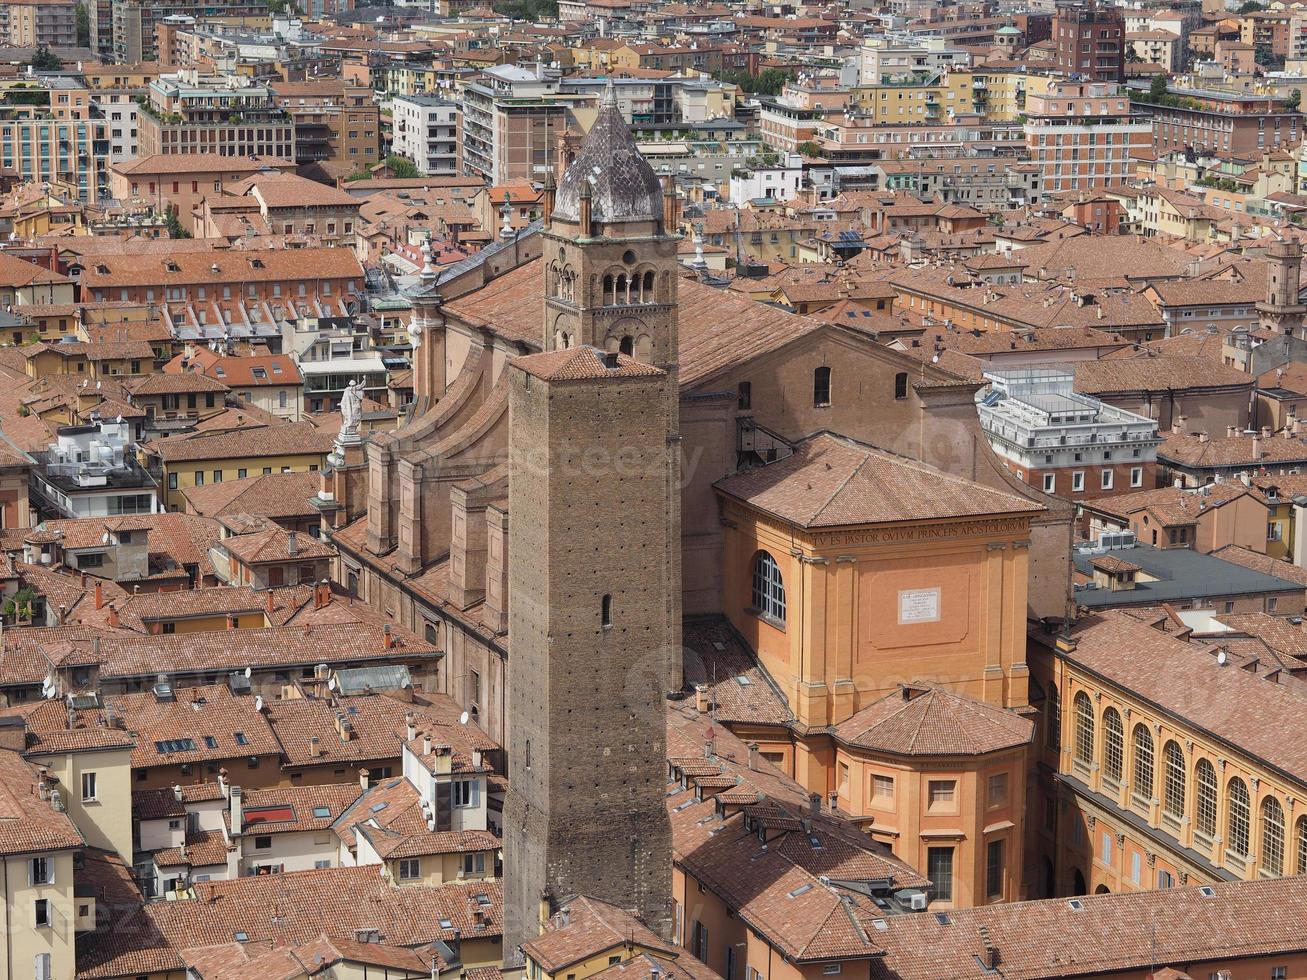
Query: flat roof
x=1180, y=574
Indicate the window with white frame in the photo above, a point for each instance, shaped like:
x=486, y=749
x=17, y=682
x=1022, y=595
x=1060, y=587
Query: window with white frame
x=410, y=869
x=1136, y=476
x=768, y=588
x=1078, y=481
x=1106, y=479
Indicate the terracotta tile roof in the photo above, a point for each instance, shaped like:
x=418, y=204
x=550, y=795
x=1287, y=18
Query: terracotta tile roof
x=292, y=439
x=196, y=268
x=237, y=372
x=586, y=927
x=179, y=163
x=649, y=967
x=130, y=655
x=290, y=908
x=202, y=848
x=203, y=723
x=391, y=844
x=1278, y=633
x=310, y=808
x=1258, y=562
x=778, y=891
x=273, y=545
x=1103, y=935
x=1161, y=373
x=830, y=481
x=934, y=722
x=378, y=728
x=160, y=804
x=168, y=384
x=27, y=822
x=1111, y=563
x=1132, y=256
x=275, y=495
x=1190, y=450
x=741, y=690
x=1265, y=720
x=583, y=364
x=1172, y=506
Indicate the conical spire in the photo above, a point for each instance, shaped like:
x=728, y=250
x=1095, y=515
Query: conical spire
x=623, y=187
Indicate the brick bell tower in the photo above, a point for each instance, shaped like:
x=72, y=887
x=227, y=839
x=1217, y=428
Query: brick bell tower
x=594, y=546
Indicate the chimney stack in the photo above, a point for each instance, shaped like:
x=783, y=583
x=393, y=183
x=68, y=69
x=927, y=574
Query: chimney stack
x=99, y=594
x=237, y=811
x=753, y=756
x=315, y=747
x=410, y=728
x=387, y=638
x=815, y=800
x=270, y=603
x=292, y=544
x=113, y=616
x=363, y=779
x=702, y=700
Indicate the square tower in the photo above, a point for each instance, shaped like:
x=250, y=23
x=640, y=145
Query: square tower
x=591, y=636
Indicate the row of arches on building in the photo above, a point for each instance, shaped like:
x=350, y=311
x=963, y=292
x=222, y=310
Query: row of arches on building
x=1195, y=794
x=637, y=287
x=641, y=347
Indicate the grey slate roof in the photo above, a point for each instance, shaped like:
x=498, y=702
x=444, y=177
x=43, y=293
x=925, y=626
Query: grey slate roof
x=1181, y=574
x=623, y=187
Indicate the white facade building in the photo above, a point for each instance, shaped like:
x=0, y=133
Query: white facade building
x=426, y=132
x=91, y=471
x=781, y=183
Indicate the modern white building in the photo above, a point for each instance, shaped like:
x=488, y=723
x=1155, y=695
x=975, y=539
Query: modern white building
x=781, y=183
x=426, y=131
x=884, y=57
x=91, y=471
x=1064, y=442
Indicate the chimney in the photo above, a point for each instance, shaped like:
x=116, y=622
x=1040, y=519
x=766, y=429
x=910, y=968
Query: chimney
x=292, y=544
x=237, y=813
x=1257, y=449
x=815, y=800
x=63, y=608
x=1266, y=432
x=1231, y=431
x=1178, y=424
x=83, y=579
x=387, y=638
x=702, y=700
x=363, y=780
x=753, y=756
x=315, y=747
x=410, y=728
x=1202, y=437
x=177, y=792
x=99, y=594
x=113, y=616
x=269, y=604
x=426, y=744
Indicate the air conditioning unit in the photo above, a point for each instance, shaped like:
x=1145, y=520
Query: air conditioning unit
x=918, y=901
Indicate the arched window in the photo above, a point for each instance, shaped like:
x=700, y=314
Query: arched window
x=821, y=387
x=1205, y=798
x=1142, y=774
x=1084, y=729
x=608, y=290
x=768, y=589
x=623, y=290
x=606, y=611
x=1113, y=745
x=647, y=291
x=1174, y=785
x=1272, y=836
x=1236, y=821
x=1053, y=718
x=901, y=385
x=1300, y=836
x=627, y=345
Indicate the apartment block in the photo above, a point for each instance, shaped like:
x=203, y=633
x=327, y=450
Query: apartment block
x=425, y=130
x=1083, y=134
x=224, y=114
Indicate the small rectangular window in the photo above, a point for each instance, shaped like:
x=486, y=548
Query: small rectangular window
x=1050, y=482
x=745, y=395
x=1106, y=479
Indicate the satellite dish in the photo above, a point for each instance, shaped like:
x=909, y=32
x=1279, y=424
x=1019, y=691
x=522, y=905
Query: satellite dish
x=1221, y=658
x=247, y=672
x=462, y=719
x=331, y=684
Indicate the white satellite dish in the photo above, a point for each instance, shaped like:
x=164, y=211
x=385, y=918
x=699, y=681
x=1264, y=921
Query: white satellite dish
x=331, y=684
x=1221, y=658
x=462, y=719
x=247, y=672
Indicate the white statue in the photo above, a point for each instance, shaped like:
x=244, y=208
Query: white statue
x=351, y=407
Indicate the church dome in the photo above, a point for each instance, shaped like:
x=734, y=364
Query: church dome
x=623, y=187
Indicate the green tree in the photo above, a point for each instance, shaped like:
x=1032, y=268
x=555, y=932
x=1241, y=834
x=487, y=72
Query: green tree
x=1250, y=7
x=1157, y=90
x=45, y=60
x=175, y=229
x=1294, y=100
x=810, y=149
x=401, y=167
x=83, y=26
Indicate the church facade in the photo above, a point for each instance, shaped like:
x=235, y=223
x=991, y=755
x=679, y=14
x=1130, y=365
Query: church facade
x=565, y=498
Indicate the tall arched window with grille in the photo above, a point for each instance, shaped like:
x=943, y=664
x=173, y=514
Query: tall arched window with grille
x=1272, y=837
x=1052, y=718
x=1237, y=820
x=1205, y=798
x=1300, y=843
x=1113, y=745
x=768, y=588
x=1174, y=785
x=1141, y=774
x=1084, y=712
